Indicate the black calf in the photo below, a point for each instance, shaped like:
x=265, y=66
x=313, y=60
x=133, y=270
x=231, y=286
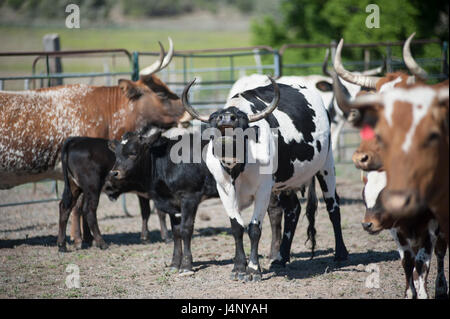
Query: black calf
x=86, y=163
x=176, y=189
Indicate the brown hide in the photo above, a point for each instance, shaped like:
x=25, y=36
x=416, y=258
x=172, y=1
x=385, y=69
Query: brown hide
x=34, y=124
x=412, y=133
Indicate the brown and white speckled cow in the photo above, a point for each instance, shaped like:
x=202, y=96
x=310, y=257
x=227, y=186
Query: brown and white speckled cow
x=35, y=123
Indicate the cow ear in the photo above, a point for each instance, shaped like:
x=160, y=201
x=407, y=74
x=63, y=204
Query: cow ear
x=112, y=145
x=324, y=86
x=159, y=87
x=130, y=89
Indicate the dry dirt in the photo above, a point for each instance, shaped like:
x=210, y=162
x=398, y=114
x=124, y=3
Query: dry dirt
x=31, y=267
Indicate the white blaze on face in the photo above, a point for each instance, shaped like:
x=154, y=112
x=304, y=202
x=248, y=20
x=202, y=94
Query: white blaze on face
x=376, y=182
x=419, y=98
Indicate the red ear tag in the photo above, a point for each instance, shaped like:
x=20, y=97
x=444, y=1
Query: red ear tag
x=367, y=133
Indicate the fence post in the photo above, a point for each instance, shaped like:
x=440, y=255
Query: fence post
x=135, y=75
x=333, y=45
x=444, y=67
x=1, y=85
x=278, y=65
x=51, y=43
x=388, y=59
x=366, y=59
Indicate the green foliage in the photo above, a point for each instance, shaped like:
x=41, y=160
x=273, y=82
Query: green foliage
x=143, y=8
x=320, y=21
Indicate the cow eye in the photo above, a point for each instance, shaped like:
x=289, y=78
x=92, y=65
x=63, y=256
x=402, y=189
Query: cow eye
x=380, y=140
x=432, y=137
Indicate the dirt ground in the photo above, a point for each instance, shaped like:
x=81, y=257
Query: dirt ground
x=31, y=267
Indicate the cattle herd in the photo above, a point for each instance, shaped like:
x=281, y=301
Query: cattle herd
x=265, y=147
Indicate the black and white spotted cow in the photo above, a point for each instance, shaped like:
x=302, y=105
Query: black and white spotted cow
x=285, y=142
x=321, y=83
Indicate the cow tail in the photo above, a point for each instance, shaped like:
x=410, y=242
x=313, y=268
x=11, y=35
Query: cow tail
x=67, y=193
x=311, y=209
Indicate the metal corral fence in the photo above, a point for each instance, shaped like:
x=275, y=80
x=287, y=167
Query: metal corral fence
x=216, y=70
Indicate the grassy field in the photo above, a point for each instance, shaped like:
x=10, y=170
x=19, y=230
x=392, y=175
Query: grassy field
x=132, y=39
x=30, y=39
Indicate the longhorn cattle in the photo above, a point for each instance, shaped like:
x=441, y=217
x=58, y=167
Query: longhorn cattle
x=35, y=123
x=371, y=83
x=321, y=83
x=415, y=237
x=279, y=136
x=411, y=127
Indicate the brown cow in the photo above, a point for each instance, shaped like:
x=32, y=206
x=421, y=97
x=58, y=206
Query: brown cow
x=367, y=157
x=411, y=126
x=415, y=238
x=34, y=124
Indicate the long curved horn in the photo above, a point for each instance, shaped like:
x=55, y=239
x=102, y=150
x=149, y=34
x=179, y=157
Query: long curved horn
x=411, y=64
x=156, y=66
x=188, y=107
x=169, y=55
x=342, y=99
x=366, y=99
x=361, y=80
x=273, y=105
x=325, y=63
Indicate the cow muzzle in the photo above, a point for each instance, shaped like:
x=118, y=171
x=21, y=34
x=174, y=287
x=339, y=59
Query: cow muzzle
x=116, y=174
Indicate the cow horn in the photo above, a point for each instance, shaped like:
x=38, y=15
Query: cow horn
x=366, y=99
x=169, y=55
x=342, y=98
x=325, y=63
x=411, y=64
x=188, y=107
x=273, y=105
x=156, y=66
x=358, y=79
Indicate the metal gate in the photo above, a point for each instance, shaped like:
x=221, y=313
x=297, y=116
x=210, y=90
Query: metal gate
x=217, y=69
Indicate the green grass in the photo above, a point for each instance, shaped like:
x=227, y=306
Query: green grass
x=22, y=38
x=30, y=39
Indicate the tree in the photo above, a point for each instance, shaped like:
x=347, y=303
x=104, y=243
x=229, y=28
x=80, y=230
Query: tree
x=305, y=21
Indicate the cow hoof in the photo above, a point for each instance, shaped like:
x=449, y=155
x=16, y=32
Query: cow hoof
x=102, y=246
x=242, y=277
x=62, y=249
x=233, y=276
x=145, y=240
x=341, y=255
x=186, y=272
x=256, y=277
x=173, y=269
x=277, y=264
